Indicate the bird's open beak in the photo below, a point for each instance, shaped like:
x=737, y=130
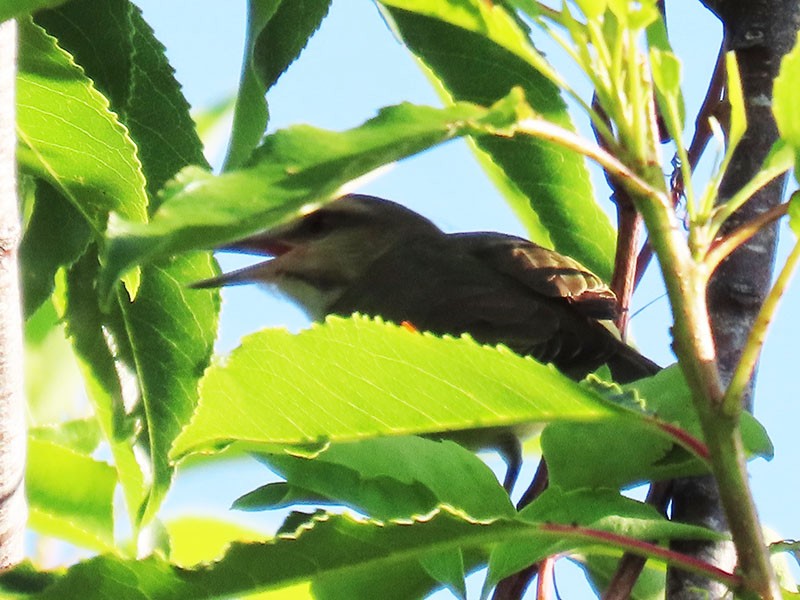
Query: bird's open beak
x=267, y=243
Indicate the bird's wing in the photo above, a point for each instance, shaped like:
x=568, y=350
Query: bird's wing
x=436, y=289
x=544, y=271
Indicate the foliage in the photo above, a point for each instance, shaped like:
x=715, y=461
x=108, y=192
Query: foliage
x=122, y=213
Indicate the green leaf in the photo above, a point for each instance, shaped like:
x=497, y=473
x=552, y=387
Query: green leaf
x=209, y=119
x=784, y=103
x=85, y=328
x=390, y=478
x=164, y=336
x=14, y=9
x=194, y=540
x=625, y=451
x=160, y=123
x=448, y=569
x=641, y=15
x=588, y=511
x=601, y=569
x=81, y=435
x=293, y=167
x=356, y=378
x=592, y=9
x=70, y=495
x=52, y=379
x=666, y=69
x=69, y=136
x=113, y=32
x=56, y=235
x=336, y=548
x=494, y=55
x=733, y=87
x=277, y=32
x=278, y=495
x=794, y=213
x=171, y=333
x=343, y=549
x=405, y=579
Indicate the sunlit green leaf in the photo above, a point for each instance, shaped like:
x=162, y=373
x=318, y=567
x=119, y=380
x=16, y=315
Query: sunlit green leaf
x=448, y=569
x=52, y=379
x=794, y=214
x=785, y=101
x=172, y=333
x=14, y=9
x=294, y=166
x=113, y=32
x=194, y=540
x=70, y=495
x=600, y=569
x=85, y=327
x=738, y=122
x=356, y=378
x=69, y=136
x=581, y=455
x=592, y=9
x=666, y=72
x=341, y=548
x=56, y=235
x=388, y=478
x=277, y=32
x=494, y=54
x=81, y=435
x=163, y=336
x=599, y=510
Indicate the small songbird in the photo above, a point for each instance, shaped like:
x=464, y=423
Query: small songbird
x=368, y=255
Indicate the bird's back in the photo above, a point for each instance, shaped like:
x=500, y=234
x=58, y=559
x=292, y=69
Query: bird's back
x=446, y=286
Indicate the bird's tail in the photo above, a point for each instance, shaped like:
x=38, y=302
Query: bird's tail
x=628, y=365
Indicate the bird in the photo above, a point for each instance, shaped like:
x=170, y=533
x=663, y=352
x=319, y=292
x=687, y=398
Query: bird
x=364, y=254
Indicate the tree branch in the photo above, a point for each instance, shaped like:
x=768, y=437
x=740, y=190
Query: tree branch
x=760, y=32
x=13, y=509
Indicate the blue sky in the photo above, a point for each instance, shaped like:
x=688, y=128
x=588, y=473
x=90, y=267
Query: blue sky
x=351, y=68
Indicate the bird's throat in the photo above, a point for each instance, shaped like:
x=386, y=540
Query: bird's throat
x=314, y=295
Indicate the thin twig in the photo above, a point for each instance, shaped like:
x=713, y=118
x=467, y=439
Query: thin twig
x=537, y=486
x=723, y=247
x=513, y=586
x=545, y=585
x=628, y=225
x=732, y=402
x=760, y=180
x=631, y=565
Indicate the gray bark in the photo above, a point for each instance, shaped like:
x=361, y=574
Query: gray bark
x=13, y=508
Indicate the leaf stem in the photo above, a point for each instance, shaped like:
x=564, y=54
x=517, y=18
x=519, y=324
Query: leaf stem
x=542, y=129
x=644, y=548
x=761, y=179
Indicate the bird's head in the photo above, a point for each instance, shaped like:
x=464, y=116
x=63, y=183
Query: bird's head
x=321, y=253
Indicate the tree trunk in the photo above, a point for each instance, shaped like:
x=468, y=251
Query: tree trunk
x=13, y=509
